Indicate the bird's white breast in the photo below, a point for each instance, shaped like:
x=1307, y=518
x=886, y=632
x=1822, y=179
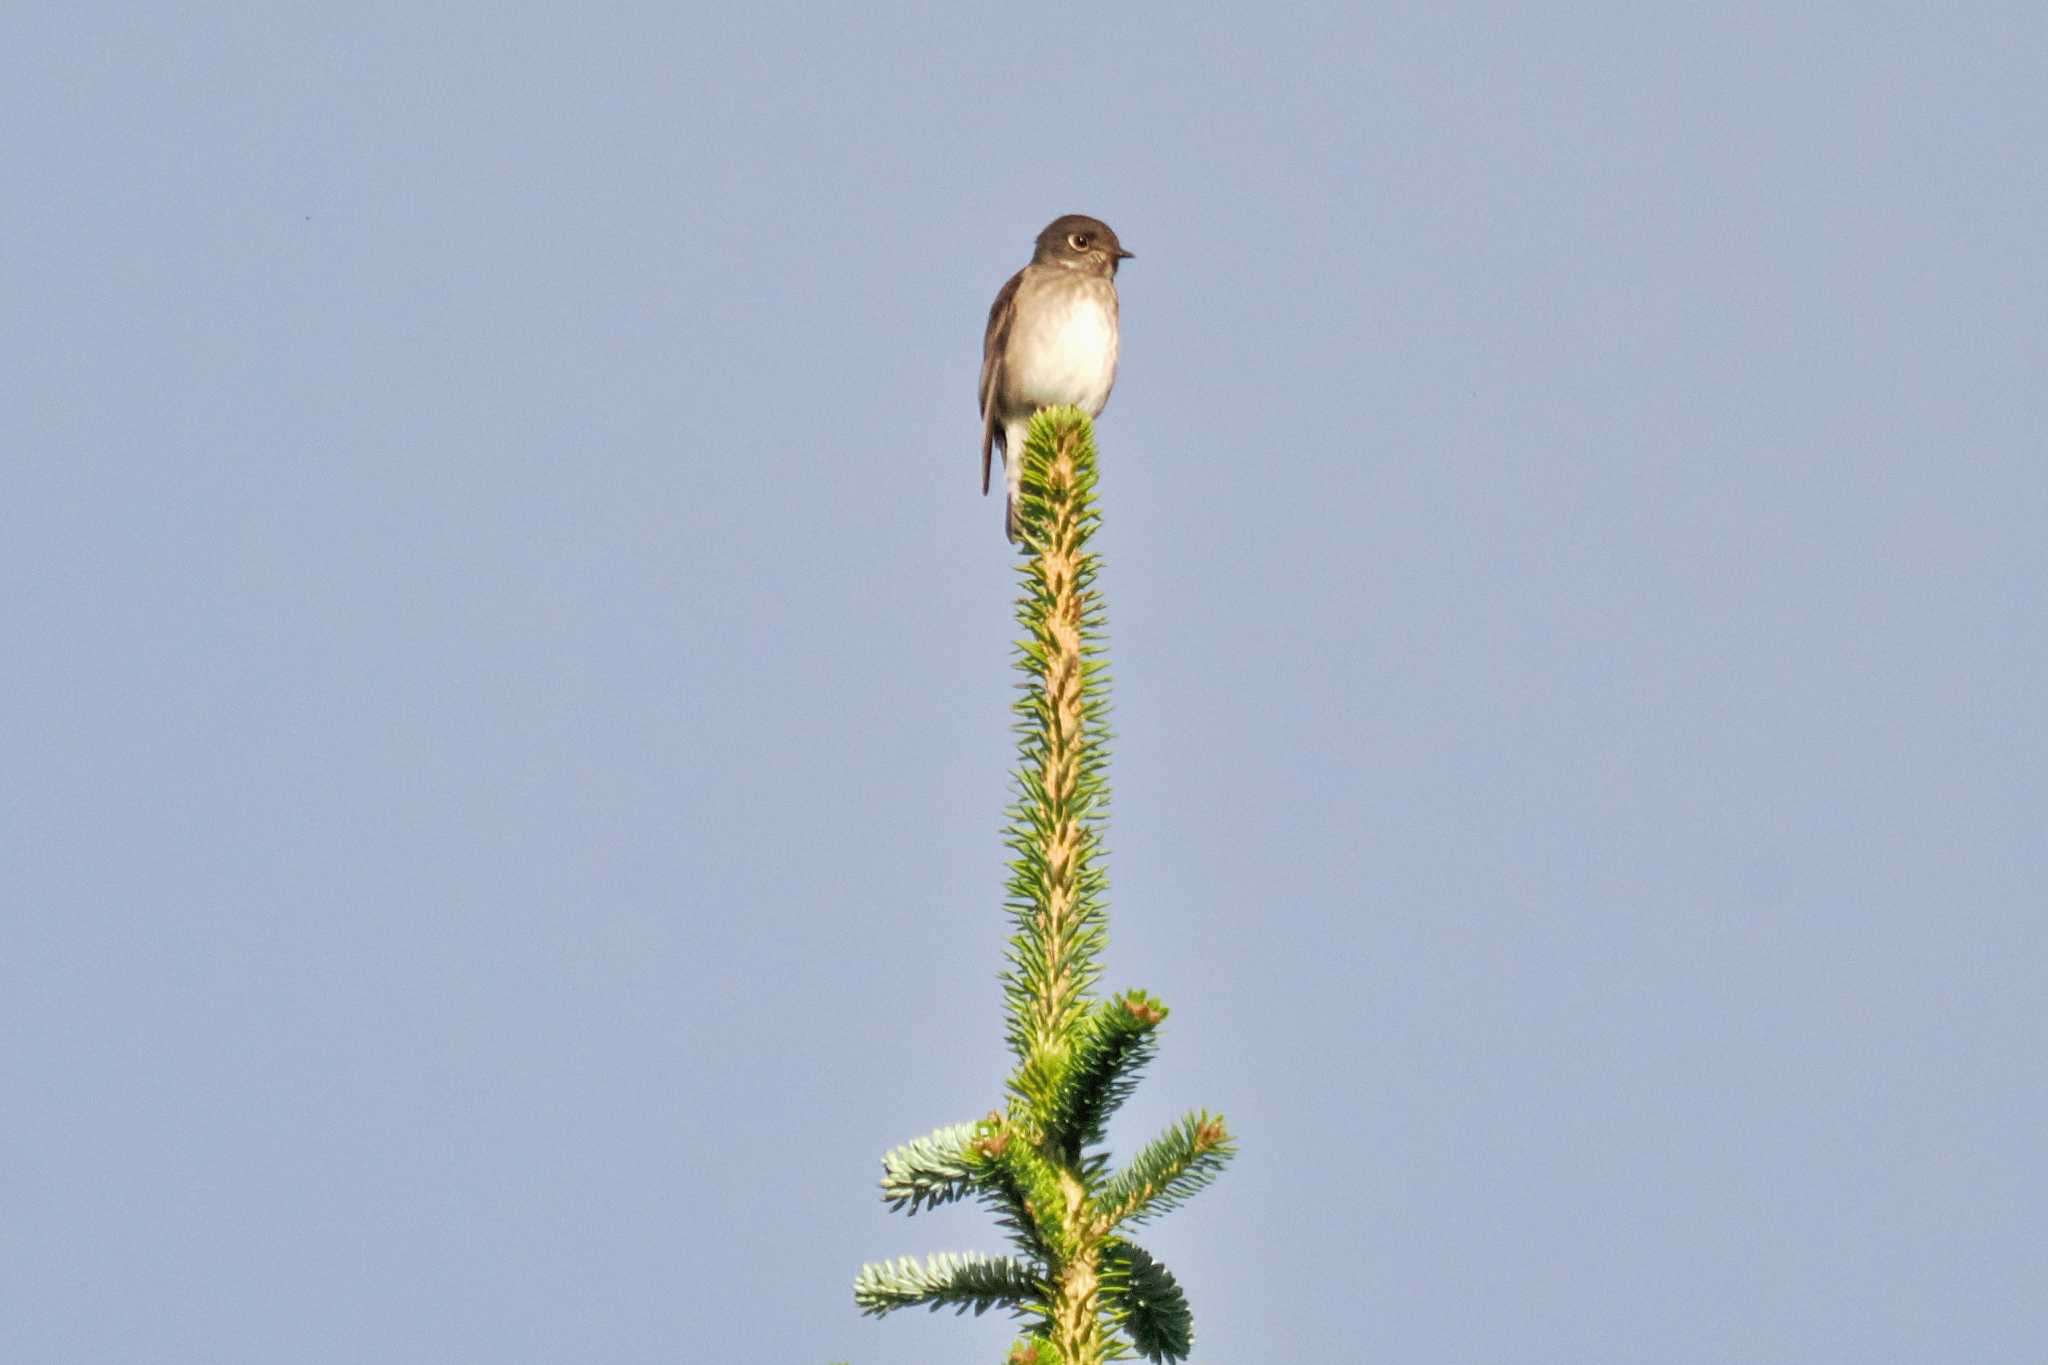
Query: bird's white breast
x=1064, y=352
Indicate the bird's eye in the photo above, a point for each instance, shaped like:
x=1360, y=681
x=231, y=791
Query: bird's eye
x=1079, y=241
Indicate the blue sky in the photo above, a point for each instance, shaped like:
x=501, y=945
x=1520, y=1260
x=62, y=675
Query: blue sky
x=507, y=686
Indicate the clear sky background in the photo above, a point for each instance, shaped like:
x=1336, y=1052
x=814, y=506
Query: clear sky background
x=504, y=669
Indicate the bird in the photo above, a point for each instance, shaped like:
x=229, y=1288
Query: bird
x=1051, y=340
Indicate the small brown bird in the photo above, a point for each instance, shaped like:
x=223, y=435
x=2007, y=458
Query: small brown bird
x=1051, y=340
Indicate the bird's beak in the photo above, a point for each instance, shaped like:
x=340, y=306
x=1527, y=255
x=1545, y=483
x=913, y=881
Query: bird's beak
x=1123, y=255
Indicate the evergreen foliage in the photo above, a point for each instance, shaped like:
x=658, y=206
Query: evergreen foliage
x=1089, y=1294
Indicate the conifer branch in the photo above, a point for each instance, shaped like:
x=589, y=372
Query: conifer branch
x=956, y=1280
x=1056, y=884
x=932, y=1170
x=1145, y=1300
x=1116, y=1041
x=1170, y=1170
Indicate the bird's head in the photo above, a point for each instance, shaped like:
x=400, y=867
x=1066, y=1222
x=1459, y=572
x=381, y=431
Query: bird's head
x=1080, y=243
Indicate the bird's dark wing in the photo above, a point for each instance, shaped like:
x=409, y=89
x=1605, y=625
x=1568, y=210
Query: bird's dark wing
x=993, y=343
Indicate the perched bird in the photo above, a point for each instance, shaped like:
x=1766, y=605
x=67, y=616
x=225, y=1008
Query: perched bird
x=1051, y=340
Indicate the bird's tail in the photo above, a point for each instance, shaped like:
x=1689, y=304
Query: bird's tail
x=1013, y=475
